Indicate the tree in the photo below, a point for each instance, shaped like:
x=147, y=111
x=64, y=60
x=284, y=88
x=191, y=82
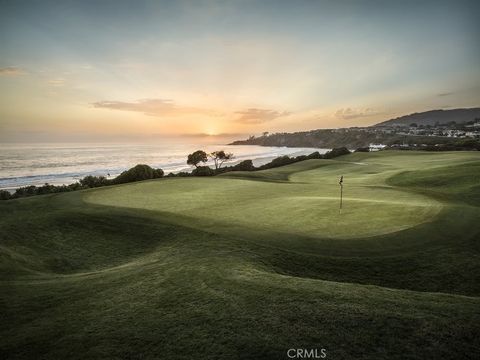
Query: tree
x=265, y=133
x=315, y=155
x=5, y=195
x=219, y=157
x=279, y=161
x=363, y=149
x=91, y=181
x=138, y=173
x=197, y=157
x=245, y=165
x=203, y=171
x=25, y=191
x=336, y=152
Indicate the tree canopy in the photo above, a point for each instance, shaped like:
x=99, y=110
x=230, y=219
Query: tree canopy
x=138, y=173
x=197, y=157
x=219, y=157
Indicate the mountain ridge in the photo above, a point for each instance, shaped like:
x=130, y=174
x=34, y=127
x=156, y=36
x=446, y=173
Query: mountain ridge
x=431, y=117
x=356, y=137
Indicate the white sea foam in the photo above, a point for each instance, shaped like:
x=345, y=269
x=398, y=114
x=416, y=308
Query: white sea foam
x=37, y=164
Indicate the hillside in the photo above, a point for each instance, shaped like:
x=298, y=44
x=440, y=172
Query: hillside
x=433, y=117
x=249, y=264
x=351, y=138
x=356, y=137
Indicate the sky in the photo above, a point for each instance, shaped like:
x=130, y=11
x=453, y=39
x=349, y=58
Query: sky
x=103, y=70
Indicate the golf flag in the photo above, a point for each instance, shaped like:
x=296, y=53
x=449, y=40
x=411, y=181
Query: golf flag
x=341, y=192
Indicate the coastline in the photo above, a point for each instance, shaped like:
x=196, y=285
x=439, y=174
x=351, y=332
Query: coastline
x=58, y=165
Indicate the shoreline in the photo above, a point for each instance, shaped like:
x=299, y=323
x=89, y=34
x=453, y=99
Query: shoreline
x=171, y=164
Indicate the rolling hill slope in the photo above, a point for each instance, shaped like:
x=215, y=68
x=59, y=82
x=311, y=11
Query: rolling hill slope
x=250, y=264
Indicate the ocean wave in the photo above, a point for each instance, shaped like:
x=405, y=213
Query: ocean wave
x=56, y=167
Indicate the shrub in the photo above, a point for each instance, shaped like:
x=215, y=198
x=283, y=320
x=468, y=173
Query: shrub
x=5, y=195
x=279, y=161
x=179, y=174
x=245, y=165
x=46, y=189
x=138, y=173
x=336, y=152
x=468, y=144
x=158, y=173
x=91, y=181
x=301, y=158
x=203, y=171
x=363, y=149
x=25, y=191
x=315, y=155
x=74, y=187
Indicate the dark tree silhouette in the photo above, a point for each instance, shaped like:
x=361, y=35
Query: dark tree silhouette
x=138, y=173
x=5, y=195
x=219, y=157
x=197, y=157
x=203, y=171
x=91, y=181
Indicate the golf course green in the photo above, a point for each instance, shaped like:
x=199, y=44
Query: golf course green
x=247, y=265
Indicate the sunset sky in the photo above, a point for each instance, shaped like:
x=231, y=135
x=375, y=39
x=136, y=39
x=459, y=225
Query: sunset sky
x=83, y=70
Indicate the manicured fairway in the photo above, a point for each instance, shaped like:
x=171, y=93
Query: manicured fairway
x=250, y=264
x=305, y=205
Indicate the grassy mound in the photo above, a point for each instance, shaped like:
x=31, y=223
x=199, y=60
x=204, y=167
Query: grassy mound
x=248, y=265
x=305, y=205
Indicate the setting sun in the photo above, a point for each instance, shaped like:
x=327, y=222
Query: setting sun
x=263, y=67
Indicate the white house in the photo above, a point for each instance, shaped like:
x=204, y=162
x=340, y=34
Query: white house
x=376, y=147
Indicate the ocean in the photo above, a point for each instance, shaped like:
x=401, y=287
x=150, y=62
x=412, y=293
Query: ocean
x=57, y=164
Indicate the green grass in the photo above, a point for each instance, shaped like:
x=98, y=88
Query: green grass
x=248, y=265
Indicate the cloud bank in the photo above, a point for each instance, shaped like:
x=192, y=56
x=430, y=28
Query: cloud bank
x=445, y=94
x=259, y=116
x=153, y=107
x=11, y=71
x=57, y=82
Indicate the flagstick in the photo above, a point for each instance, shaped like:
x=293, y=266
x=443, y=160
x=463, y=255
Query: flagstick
x=341, y=197
x=341, y=194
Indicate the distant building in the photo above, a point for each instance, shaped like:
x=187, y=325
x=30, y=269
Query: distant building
x=376, y=147
x=473, y=134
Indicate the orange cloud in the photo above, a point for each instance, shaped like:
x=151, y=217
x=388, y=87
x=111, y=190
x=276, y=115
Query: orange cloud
x=11, y=71
x=153, y=107
x=57, y=82
x=259, y=116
